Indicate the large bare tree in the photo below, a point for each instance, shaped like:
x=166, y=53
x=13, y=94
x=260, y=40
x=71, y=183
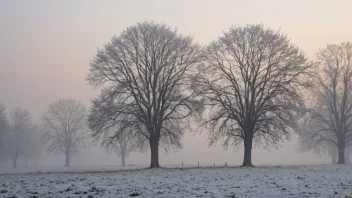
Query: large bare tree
x=17, y=143
x=145, y=73
x=329, y=120
x=252, y=81
x=65, y=128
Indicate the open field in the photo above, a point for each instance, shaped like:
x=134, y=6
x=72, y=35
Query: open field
x=62, y=169
x=274, y=181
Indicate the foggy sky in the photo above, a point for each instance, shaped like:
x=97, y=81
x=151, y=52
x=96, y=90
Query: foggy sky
x=46, y=47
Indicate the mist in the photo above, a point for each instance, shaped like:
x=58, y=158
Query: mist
x=46, y=48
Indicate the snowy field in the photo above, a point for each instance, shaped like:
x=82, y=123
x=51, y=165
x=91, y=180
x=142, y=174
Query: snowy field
x=62, y=169
x=283, y=181
x=89, y=169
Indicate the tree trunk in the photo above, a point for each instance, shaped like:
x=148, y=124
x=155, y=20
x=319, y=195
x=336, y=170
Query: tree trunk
x=154, y=151
x=67, y=164
x=14, y=162
x=341, y=150
x=247, y=160
x=14, y=158
x=123, y=163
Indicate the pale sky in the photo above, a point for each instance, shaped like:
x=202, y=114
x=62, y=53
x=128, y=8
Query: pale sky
x=46, y=47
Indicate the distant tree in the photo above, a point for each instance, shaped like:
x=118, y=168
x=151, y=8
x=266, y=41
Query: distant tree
x=64, y=127
x=252, y=80
x=3, y=125
x=330, y=117
x=145, y=73
x=326, y=147
x=17, y=143
x=32, y=144
x=123, y=149
x=120, y=143
x=122, y=146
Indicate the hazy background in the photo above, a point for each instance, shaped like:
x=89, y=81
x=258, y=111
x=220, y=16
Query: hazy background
x=46, y=47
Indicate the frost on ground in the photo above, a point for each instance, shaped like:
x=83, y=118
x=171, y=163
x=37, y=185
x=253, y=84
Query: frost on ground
x=52, y=169
x=286, y=181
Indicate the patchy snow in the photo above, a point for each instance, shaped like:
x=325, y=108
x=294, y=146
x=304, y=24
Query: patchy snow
x=284, y=181
x=80, y=168
x=53, y=169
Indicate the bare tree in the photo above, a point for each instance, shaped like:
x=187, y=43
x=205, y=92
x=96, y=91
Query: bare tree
x=123, y=146
x=146, y=75
x=305, y=143
x=122, y=149
x=20, y=121
x=326, y=147
x=120, y=143
x=32, y=144
x=3, y=125
x=64, y=127
x=330, y=116
x=252, y=81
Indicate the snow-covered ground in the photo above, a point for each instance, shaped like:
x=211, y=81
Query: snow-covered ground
x=60, y=169
x=284, y=181
x=90, y=169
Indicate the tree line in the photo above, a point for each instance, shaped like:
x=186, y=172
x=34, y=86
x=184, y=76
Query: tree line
x=251, y=86
x=63, y=130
